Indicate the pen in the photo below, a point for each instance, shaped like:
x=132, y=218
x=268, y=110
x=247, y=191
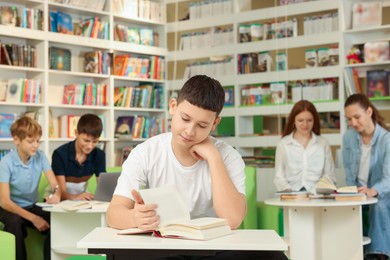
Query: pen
x=53, y=191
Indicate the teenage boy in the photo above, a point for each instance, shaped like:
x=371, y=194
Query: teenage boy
x=208, y=173
x=20, y=172
x=75, y=162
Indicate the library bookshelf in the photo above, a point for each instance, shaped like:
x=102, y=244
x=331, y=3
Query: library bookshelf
x=49, y=106
x=256, y=128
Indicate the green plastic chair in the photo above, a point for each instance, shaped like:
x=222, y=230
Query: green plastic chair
x=250, y=220
x=7, y=246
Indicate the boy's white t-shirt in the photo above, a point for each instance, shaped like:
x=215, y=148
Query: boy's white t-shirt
x=153, y=164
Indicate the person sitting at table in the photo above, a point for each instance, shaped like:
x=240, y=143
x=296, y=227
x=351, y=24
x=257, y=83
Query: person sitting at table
x=20, y=172
x=303, y=157
x=208, y=173
x=366, y=160
x=75, y=162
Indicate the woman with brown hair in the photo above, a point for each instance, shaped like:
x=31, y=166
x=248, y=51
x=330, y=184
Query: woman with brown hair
x=302, y=155
x=366, y=159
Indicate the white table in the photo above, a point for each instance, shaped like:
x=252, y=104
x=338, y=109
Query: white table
x=107, y=241
x=68, y=227
x=323, y=229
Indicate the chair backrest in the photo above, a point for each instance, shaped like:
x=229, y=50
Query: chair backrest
x=106, y=186
x=7, y=246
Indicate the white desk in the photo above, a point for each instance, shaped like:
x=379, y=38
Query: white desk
x=68, y=227
x=106, y=241
x=323, y=229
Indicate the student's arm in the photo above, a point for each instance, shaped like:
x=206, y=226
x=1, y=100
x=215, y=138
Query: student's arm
x=280, y=180
x=68, y=196
x=228, y=202
x=124, y=213
x=54, y=187
x=7, y=204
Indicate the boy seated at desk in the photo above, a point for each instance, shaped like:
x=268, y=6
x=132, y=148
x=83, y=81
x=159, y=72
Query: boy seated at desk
x=74, y=163
x=20, y=172
x=207, y=172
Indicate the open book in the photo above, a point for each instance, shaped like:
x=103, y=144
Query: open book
x=175, y=218
x=73, y=205
x=326, y=186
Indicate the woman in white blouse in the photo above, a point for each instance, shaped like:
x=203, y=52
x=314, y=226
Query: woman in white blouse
x=302, y=155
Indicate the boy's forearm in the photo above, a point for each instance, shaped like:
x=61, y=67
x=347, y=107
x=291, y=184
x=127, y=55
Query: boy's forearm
x=228, y=202
x=16, y=209
x=120, y=217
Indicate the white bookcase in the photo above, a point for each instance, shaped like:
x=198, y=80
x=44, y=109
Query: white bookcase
x=53, y=81
x=246, y=12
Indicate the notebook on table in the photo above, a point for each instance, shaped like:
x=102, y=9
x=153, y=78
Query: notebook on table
x=106, y=186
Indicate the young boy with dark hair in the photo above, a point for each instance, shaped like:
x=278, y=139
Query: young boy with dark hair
x=75, y=162
x=20, y=172
x=208, y=173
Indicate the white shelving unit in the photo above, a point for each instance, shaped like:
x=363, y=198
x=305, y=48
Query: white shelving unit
x=53, y=81
x=246, y=12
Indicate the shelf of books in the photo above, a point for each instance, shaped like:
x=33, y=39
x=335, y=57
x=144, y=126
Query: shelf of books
x=61, y=59
x=366, y=39
x=267, y=55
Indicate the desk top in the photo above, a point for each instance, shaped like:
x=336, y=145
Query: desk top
x=261, y=240
x=318, y=203
x=99, y=208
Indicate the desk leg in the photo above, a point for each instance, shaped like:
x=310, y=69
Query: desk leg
x=325, y=233
x=67, y=228
x=342, y=233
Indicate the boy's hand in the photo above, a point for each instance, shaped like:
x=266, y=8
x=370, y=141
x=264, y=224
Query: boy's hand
x=40, y=223
x=203, y=150
x=53, y=199
x=84, y=196
x=145, y=216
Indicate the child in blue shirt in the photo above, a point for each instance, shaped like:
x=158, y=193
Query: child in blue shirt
x=20, y=172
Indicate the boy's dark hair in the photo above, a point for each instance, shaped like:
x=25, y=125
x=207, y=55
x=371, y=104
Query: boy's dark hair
x=25, y=127
x=203, y=91
x=90, y=124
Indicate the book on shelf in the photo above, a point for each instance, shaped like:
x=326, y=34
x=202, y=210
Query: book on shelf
x=69, y=95
x=5, y=57
x=326, y=186
x=120, y=64
x=366, y=14
x=64, y=23
x=378, y=83
x=8, y=15
x=60, y=58
x=67, y=125
x=3, y=90
x=15, y=90
x=375, y=52
x=74, y=205
x=124, y=127
x=6, y=121
x=175, y=220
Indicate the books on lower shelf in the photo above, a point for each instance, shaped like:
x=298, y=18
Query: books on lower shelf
x=175, y=219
